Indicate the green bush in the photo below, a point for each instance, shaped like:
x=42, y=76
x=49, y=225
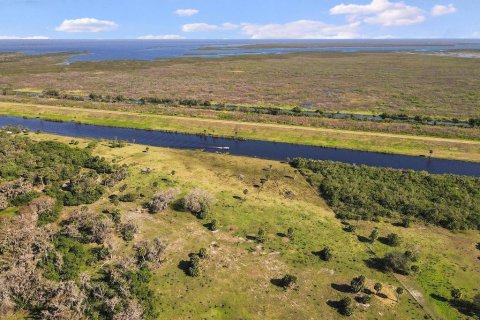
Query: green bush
x=66, y=261
x=393, y=240
x=128, y=197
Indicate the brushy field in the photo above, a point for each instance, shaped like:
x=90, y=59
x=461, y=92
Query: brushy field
x=368, y=82
x=413, y=129
x=236, y=279
x=459, y=149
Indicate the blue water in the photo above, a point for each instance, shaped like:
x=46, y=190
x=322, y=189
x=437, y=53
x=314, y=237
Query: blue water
x=250, y=148
x=98, y=50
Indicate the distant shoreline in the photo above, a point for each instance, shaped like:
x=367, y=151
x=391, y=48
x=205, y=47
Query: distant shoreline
x=151, y=50
x=346, y=44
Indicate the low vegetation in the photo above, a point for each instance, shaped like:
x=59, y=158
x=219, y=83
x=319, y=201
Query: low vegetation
x=150, y=258
x=334, y=81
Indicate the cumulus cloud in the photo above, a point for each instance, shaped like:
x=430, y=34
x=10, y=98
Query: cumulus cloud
x=205, y=27
x=86, y=25
x=23, y=38
x=186, y=12
x=162, y=37
x=440, y=10
x=301, y=29
x=381, y=12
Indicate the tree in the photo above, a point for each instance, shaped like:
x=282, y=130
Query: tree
x=288, y=281
x=261, y=235
x=150, y=251
x=406, y=222
x=128, y=197
x=326, y=254
x=373, y=235
x=399, y=291
x=291, y=234
x=351, y=228
x=194, y=266
x=393, y=240
x=213, y=225
x=345, y=306
x=199, y=202
x=358, y=284
x=396, y=261
x=128, y=231
x=378, y=288
x=456, y=294
x=162, y=199
x=202, y=253
x=365, y=299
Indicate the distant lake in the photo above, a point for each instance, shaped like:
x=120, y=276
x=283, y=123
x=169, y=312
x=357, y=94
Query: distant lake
x=102, y=50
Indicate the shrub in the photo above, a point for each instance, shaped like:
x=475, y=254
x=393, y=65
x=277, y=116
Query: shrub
x=456, y=294
x=345, y=306
x=290, y=234
x=128, y=197
x=203, y=254
x=288, y=281
x=261, y=235
x=87, y=227
x=194, y=266
x=351, y=228
x=128, y=231
x=358, y=284
x=66, y=261
x=198, y=201
x=116, y=215
x=378, y=287
x=83, y=189
x=399, y=291
x=150, y=251
x=397, y=262
x=326, y=254
x=406, y=222
x=373, y=235
x=393, y=240
x=213, y=225
x=161, y=200
x=365, y=299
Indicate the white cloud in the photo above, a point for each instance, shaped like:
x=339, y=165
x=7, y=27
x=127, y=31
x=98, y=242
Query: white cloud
x=302, y=29
x=86, y=25
x=186, y=12
x=162, y=37
x=476, y=34
x=23, y=38
x=381, y=12
x=440, y=10
x=205, y=27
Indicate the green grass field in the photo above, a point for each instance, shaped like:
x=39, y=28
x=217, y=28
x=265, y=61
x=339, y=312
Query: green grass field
x=236, y=278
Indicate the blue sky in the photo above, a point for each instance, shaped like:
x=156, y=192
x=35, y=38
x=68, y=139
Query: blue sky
x=239, y=19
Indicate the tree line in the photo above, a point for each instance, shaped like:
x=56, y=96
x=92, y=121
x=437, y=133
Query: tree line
x=370, y=193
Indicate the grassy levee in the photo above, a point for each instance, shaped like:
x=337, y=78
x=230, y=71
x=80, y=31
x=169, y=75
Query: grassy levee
x=458, y=149
x=236, y=278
